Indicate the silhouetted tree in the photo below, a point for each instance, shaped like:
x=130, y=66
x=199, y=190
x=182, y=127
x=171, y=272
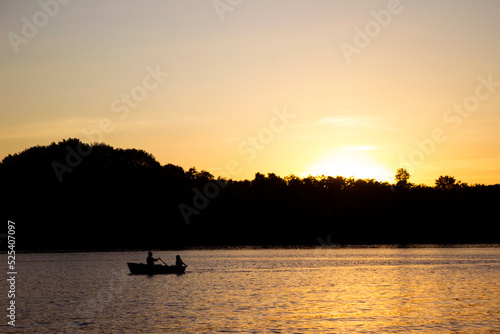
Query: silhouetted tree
x=445, y=182
x=114, y=198
x=402, y=177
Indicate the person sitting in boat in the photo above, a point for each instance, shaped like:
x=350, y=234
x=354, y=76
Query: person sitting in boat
x=150, y=260
x=178, y=262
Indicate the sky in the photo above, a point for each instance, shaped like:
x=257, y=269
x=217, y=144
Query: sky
x=236, y=87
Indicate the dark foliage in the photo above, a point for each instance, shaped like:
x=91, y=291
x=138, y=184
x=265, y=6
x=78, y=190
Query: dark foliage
x=72, y=195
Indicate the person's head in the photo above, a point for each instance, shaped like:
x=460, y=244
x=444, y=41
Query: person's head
x=177, y=257
x=150, y=253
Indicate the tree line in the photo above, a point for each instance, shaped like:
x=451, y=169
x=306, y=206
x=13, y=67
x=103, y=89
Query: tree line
x=74, y=195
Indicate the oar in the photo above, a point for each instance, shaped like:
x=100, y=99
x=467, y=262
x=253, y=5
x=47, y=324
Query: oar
x=162, y=261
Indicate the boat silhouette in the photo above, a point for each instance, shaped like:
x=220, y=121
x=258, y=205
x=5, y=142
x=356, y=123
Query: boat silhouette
x=144, y=269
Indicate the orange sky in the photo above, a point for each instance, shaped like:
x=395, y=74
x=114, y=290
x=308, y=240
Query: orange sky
x=355, y=88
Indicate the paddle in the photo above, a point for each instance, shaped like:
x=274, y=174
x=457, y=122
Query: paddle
x=162, y=261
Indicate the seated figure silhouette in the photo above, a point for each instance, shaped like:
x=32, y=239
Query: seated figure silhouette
x=178, y=261
x=150, y=260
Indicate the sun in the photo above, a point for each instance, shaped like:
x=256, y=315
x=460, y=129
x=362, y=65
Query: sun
x=347, y=162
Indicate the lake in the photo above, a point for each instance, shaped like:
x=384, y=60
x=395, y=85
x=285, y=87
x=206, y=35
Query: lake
x=325, y=290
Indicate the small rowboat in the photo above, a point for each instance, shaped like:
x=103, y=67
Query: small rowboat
x=144, y=269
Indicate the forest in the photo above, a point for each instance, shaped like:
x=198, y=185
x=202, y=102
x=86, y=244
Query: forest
x=77, y=196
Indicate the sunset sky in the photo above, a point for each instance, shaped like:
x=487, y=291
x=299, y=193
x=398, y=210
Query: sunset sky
x=235, y=87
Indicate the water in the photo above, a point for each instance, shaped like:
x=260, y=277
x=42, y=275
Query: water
x=422, y=290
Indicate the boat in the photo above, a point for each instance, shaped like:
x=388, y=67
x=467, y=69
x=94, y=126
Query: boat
x=144, y=269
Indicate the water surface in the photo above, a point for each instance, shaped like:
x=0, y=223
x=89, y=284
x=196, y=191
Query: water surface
x=373, y=290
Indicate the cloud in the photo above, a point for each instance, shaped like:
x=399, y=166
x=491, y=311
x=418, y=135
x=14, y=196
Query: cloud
x=340, y=121
x=359, y=148
x=63, y=128
x=356, y=121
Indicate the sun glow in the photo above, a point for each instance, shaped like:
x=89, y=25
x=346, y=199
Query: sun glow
x=355, y=162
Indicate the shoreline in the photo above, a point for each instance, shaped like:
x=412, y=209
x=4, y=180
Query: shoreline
x=265, y=247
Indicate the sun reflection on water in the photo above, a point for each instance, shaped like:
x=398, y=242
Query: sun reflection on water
x=292, y=290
